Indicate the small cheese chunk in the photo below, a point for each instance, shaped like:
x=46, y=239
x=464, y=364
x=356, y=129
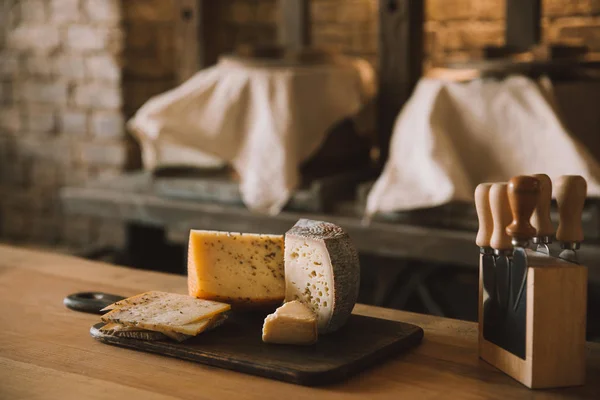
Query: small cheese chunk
x=292, y=323
x=322, y=271
x=245, y=270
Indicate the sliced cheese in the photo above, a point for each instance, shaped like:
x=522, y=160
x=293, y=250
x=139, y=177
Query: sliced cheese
x=130, y=301
x=118, y=330
x=166, y=311
x=114, y=327
x=245, y=270
x=292, y=323
x=322, y=270
x=192, y=329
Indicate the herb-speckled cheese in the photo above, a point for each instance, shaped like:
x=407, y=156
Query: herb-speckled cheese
x=245, y=270
x=322, y=271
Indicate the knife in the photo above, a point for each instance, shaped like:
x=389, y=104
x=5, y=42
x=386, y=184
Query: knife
x=523, y=195
x=484, y=215
x=500, y=241
x=571, y=191
x=541, y=216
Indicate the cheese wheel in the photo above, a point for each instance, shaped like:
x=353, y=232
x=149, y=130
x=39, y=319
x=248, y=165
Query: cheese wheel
x=322, y=270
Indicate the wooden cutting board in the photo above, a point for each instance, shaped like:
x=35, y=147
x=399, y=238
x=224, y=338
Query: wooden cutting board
x=237, y=345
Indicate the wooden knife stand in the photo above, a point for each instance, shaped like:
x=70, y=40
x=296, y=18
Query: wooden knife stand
x=555, y=325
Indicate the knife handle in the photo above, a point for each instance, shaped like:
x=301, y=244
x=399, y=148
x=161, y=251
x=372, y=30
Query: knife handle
x=541, y=215
x=523, y=194
x=571, y=191
x=484, y=214
x=501, y=216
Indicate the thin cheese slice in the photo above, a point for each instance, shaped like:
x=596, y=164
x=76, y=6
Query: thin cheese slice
x=173, y=331
x=245, y=270
x=292, y=323
x=129, y=332
x=322, y=270
x=180, y=337
x=114, y=327
x=161, y=309
x=130, y=301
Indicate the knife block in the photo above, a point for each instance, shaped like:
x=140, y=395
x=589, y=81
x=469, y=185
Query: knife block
x=555, y=325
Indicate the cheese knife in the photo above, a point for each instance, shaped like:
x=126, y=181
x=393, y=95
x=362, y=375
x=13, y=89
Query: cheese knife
x=571, y=191
x=540, y=219
x=484, y=234
x=500, y=241
x=523, y=193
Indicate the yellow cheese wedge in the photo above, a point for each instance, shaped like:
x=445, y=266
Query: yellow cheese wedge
x=245, y=270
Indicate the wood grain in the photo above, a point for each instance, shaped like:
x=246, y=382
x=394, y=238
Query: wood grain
x=49, y=350
x=195, y=24
x=400, y=63
x=522, y=24
x=523, y=194
x=541, y=215
x=501, y=215
x=237, y=345
x=484, y=214
x=555, y=326
x=571, y=191
x=294, y=23
x=432, y=235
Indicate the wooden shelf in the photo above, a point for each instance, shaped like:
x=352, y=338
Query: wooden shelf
x=130, y=198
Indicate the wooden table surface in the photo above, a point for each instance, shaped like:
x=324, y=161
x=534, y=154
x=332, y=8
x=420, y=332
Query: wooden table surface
x=46, y=351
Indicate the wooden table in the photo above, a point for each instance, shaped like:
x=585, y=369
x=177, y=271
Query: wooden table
x=46, y=350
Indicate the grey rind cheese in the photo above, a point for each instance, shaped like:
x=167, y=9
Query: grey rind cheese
x=322, y=271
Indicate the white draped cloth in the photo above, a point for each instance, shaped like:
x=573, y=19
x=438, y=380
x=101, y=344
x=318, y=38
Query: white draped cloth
x=264, y=121
x=449, y=137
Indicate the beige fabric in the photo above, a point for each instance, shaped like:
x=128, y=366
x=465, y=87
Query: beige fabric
x=450, y=137
x=265, y=121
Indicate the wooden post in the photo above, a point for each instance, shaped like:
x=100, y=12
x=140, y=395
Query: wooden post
x=401, y=61
x=294, y=25
x=194, y=36
x=522, y=24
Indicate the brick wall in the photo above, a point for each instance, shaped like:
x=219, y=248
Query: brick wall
x=458, y=28
x=349, y=26
x=453, y=29
x=72, y=71
x=60, y=113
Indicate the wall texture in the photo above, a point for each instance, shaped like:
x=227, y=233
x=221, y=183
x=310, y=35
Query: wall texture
x=60, y=113
x=72, y=71
x=458, y=28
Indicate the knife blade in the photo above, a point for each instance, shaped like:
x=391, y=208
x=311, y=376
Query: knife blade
x=540, y=219
x=571, y=191
x=484, y=234
x=500, y=241
x=523, y=195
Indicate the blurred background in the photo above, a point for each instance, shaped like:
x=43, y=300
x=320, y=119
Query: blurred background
x=74, y=178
